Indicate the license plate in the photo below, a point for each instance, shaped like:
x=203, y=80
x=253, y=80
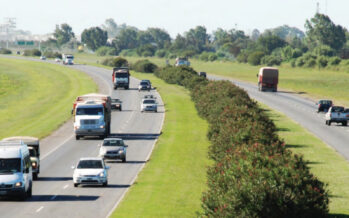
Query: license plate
x=3, y=192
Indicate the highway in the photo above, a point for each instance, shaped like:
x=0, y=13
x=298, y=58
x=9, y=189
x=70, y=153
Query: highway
x=54, y=194
x=301, y=110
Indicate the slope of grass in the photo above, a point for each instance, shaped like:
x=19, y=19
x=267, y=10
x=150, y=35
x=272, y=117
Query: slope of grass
x=324, y=162
x=173, y=180
x=36, y=98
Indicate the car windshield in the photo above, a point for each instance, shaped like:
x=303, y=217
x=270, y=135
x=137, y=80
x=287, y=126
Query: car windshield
x=32, y=153
x=90, y=164
x=121, y=75
x=149, y=101
x=112, y=142
x=10, y=165
x=325, y=102
x=337, y=109
x=144, y=83
x=115, y=100
x=89, y=111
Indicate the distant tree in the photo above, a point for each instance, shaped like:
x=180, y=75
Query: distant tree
x=145, y=37
x=255, y=34
x=286, y=32
x=63, y=34
x=179, y=43
x=198, y=38
x=111, y=27
x=94, y=37
x=127, y=39
x=322, y=31
x=161, y=37
x=270, y=42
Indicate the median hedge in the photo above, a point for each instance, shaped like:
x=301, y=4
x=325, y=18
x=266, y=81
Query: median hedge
x=254, y=174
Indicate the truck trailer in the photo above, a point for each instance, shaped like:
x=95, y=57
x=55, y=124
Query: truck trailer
x=92, y=115
x=268, y=78
x=121, y=77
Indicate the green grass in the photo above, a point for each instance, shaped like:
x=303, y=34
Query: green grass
x=324, y=162
x=36, y=98
x=173, y=180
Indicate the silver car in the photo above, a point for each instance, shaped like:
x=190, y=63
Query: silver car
x=149, y=105
x=113, y=148
x=90, y=171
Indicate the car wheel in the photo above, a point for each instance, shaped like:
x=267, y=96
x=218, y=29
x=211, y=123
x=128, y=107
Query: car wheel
x=120, y=109
x=329, y=123
x=345, y=123
x=124, y=160
x=105, y=184
x=76, y=185
x=29, y=192
x=156, y=111
x=77, y=137
x=35, y=176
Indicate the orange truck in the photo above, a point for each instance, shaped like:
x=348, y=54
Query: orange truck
x=92, y=115
x=268, y=78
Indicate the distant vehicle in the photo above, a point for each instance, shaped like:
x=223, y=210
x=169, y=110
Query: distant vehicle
x=149, y=96
x=116, y=104
x=203, y=74
x=324, y=105
x=336, y=114
x=43, y=58
x=121, y=77
x=33, y=145
x=90, y=171
x=15, y=171
x=113, y=148
x=57, y=60
x=18, y=52
x=182, y=62
x=144, y=85
x=149, y=105
x=92, y=115
x=268, y=78
x=68, y=59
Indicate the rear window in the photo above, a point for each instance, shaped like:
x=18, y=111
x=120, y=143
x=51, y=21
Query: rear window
x=337, y=109
x=149, y=102
x=325, y=102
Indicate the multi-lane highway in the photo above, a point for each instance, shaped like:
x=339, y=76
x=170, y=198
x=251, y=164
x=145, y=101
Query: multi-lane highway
x=303, y=111
x=54, y=194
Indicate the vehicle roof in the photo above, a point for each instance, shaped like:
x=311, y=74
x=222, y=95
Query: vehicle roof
x=13, y=151
x=91, y=158
x=106, y=139
x=26, y=139
x=90, y=104
x=94, y=95
x=268, y=68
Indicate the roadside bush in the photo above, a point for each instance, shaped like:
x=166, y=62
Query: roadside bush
x=212, y=57
x=293, y=62
x=115, y=62
x=105, y=50
x=271, y=60
x=32, y=52
x=171, y=56
x=334, y=61
x=322, y=61
x=324, y=50
x=128, y=53
x=242, y=57
x=147, y=50
x=51, y=54
x=204, y=56
x=300, y=62
x=255, y=58
x=5, y=51
x=144, y=66
x=188, y=53
x=310, y=63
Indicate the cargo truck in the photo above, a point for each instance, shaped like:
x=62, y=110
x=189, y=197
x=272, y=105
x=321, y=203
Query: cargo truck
x=121, y=77
x=268, y=78
x=68, y=59
x=92, y=115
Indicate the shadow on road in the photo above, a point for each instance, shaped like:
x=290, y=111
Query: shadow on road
x=54, y=179
x=296, y=146
x=291, y=92
x=135, y=136
x=109, y=186
x=41, y=198
x=338, y=216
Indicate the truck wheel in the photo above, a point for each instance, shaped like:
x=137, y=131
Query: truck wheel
x=127, y=87
x=120, y=109
x=77, y=137
x=29, y=192
x=105, y=184
x=345, y=123
x=115, y=87
x=329, y=122
x=124, y=160
x=35, y=176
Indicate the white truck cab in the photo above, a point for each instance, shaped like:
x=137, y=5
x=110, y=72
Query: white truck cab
x=15, y=170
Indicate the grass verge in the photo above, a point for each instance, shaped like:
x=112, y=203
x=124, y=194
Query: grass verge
x=324, y=162
x=36, y=98
x=173, y=180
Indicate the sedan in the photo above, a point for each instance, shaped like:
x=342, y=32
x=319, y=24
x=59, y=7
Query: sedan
x=149, y=105
x=113, y=148
x=90, y=171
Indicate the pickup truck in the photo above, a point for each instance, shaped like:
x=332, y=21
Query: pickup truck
x=336, y=114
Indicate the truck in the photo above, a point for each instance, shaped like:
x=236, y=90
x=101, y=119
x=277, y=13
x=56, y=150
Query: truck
x=182, y=62
x=336, y=114
x=68, y=59
x=121, y=77
x=268, y=78
x=34, y=151
x=92, y=115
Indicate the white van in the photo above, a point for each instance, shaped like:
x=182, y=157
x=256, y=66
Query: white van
x=15, y=170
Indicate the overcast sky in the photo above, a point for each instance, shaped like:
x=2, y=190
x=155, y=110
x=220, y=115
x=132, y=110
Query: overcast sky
x=176, y=16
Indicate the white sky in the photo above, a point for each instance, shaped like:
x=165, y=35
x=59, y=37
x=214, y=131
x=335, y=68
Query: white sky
x=176, y=16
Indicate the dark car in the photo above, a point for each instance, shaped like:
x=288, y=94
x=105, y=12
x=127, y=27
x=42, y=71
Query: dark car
x=324, y=105
x=203, y=74
x=116, y=104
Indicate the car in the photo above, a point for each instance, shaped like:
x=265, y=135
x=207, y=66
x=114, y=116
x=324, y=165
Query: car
x=203, y=74
x=90, y=171
x=336, y=114
x=116, y=104
x=57, y=60
x=43, y=58
x=113, y=148
x=149, y=96
x=149, y=105
x=144, y=85
x=324, y=105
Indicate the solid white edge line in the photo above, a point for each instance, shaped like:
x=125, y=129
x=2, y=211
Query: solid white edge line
x=66, y=186
x=39, y=209
x=147, y=159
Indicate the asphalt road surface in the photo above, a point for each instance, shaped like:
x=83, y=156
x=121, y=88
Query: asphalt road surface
x=54, y=194
x=303, y=111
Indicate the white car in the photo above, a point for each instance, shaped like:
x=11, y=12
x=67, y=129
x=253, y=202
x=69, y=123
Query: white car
x=113, y=148
x=90, y=171
x=149, y=105
x=57, y=60
x=43, y=58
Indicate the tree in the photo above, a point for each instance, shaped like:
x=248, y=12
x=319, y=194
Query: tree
x=94, y=37
x=160, y=37
x=127, y=39
x=111, y=27
x=270, y=42
x=63, y=34
x=198, y=38
x=322, y=31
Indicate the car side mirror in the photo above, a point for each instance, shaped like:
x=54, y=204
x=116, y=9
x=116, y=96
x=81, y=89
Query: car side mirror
x=126, y=146
x=107, y=167
x=73, y=167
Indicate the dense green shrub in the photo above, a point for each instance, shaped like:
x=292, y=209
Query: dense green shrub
x=204, y=56
x=115, y=62
x=105, y=50
x=144, y=66
x=188, y=53
x=310, y=63
x=271, y=60
x=212, y=57
x=293, y=62
x=255, y=58
x=129, y=53
x=334, y=61
x=161, y=53
x=242, y=57
x=147, y=50
x=32, y=52
x=300, y=62
x=51, y=54
x=322, y=61
x=5, y=51
x=324, y=50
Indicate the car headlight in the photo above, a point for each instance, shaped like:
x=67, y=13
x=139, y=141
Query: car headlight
x=34, y=164
x=101, y=126
x=101, y=174
x=121, y=151
x=18, y=184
